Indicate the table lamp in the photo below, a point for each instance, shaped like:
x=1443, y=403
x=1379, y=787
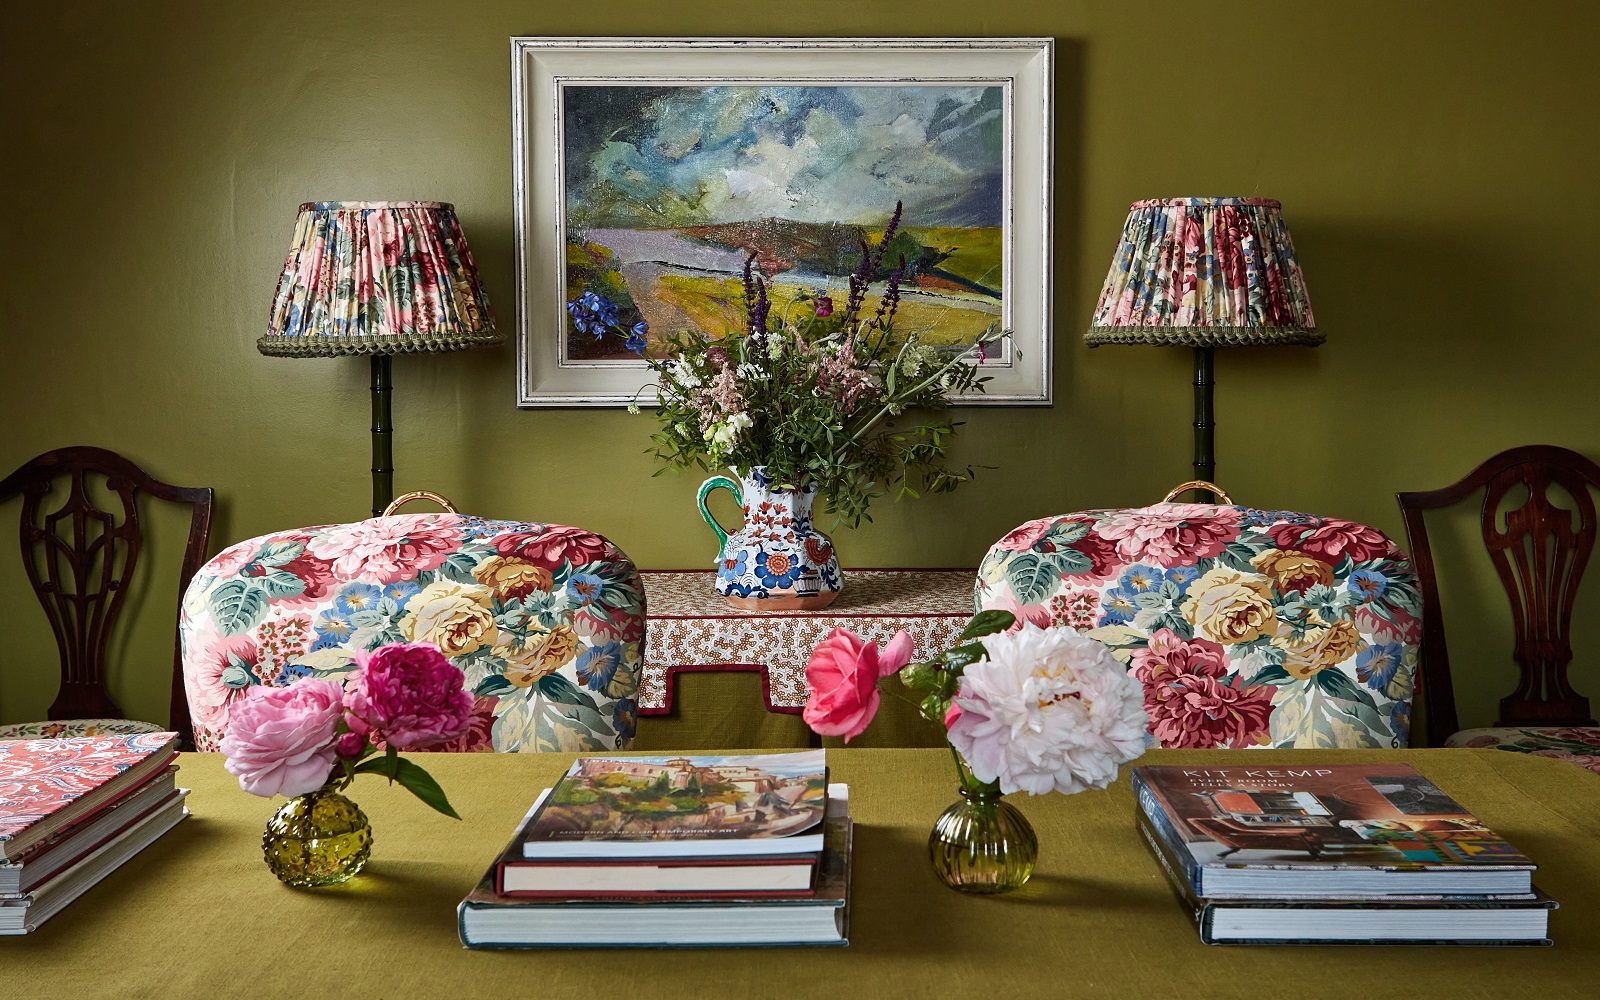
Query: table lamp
x=1203, y=273
x=378, y=278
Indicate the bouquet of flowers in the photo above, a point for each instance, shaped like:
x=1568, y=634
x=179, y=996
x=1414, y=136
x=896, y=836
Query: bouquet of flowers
x=319, y=733
x=1025, y=708
x=814, y=391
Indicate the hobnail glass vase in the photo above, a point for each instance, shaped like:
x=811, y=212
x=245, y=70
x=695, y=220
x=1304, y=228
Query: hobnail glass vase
x=982, y=844
x=320, y=838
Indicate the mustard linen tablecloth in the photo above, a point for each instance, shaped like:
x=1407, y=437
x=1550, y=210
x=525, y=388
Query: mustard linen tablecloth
x=198, y=914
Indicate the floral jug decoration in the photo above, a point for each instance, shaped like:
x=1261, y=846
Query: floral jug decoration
x=777, y=561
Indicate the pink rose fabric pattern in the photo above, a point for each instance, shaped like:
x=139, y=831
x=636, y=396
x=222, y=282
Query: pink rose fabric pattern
x=542, y=624
x=1247, y=628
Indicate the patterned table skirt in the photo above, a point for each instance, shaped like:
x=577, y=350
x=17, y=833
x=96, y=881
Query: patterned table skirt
x=690, y=628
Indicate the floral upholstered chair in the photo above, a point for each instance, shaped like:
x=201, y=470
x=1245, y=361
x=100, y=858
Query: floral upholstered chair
x=545, y=621
x=1247, y=628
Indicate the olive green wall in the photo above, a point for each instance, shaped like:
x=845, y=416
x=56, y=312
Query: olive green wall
x=1435, y=163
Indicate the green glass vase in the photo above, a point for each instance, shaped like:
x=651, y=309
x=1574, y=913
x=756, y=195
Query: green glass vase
x=982, y=844
x=320, y=838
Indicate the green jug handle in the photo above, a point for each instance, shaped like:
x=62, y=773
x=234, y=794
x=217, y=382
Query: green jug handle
x=716, y=483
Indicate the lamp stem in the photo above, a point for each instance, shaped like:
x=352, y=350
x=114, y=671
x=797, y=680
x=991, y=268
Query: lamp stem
x=1205, y=462
x=382, y=435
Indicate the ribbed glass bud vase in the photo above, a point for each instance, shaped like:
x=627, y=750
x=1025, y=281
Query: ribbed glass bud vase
x=320, y=838
x=982, y=844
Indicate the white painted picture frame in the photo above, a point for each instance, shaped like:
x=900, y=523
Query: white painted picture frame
x=548, y=374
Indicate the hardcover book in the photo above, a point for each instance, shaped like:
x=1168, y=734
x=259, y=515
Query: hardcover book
x=1433, y=920
x=487, y=920
x=46, y=785
x=661, y=807
x=1323, y=830
x=66, y=846
x=24, y=914
x=766, y=875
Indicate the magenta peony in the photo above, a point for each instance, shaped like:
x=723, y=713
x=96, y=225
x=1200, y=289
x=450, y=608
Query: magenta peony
x=843, y=674
x=280, y=740
x=408, y=695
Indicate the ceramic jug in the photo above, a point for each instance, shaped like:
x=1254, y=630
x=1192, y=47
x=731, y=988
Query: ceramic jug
x=777, y=561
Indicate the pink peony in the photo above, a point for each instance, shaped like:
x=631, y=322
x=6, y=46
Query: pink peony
x=843, y=674
x=1332, y=539
x=554, y=544
x=281, y=739
x=1167, y=653
x=1021, y=539
x=387, y=549
x=1171, y=534
x=208, y=658
x=1196, y=710
x=408, y=695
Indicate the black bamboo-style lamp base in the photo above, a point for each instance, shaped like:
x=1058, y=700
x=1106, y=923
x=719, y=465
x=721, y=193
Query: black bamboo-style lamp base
x=1204, y=273
x=367, y=277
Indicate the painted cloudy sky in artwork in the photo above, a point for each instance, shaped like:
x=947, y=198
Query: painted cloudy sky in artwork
x=646, y=157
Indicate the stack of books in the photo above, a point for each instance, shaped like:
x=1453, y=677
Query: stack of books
x=673, y=852
x=1334, y=854
x=73, y=810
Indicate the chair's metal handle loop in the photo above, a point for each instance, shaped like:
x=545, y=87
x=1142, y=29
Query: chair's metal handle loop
x=1198, y=484
x=406, y=498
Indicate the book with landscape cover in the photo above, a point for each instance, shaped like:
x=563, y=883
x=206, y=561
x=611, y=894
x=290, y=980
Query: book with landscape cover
x=766, y=875
x=47, y=785
x=1322, y=831
x=675, y=807
x=1520, y=920
x=488, y=920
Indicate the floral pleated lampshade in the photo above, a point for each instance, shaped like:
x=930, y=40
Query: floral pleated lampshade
x=366, y=277
x=1204, y=272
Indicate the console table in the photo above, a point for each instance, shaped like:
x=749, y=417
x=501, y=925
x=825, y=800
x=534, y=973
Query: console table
x=198, y=915
x=689, y=628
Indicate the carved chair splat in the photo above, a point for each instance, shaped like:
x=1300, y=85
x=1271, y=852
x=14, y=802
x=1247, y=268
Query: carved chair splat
x=1539, y=555
x=80, y=560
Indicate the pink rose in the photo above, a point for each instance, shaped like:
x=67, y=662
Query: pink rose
x=281, y=740
x=843, y=674
x=1171, y=534
x=408, y=695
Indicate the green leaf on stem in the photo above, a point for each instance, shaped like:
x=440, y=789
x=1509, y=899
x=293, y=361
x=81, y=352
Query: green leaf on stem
x=920, y=677
x=410, y=776
x=957, y=659
x=988, y=623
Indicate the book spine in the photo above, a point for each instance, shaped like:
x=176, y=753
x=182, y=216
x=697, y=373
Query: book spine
x=1151, y=807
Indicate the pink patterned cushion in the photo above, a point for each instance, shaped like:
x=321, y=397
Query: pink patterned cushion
x=545, y=621
x=1579, y=745
x=1248, y=628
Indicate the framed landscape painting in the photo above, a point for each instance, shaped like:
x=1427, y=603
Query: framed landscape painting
x=649, y=171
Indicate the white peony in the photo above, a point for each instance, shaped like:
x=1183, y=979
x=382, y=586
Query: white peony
x=1048, y=710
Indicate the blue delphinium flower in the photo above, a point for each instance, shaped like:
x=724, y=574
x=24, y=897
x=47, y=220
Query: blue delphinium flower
x=636, y=339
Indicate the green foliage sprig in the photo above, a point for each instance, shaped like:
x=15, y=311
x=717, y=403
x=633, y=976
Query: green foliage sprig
x=822, y=394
